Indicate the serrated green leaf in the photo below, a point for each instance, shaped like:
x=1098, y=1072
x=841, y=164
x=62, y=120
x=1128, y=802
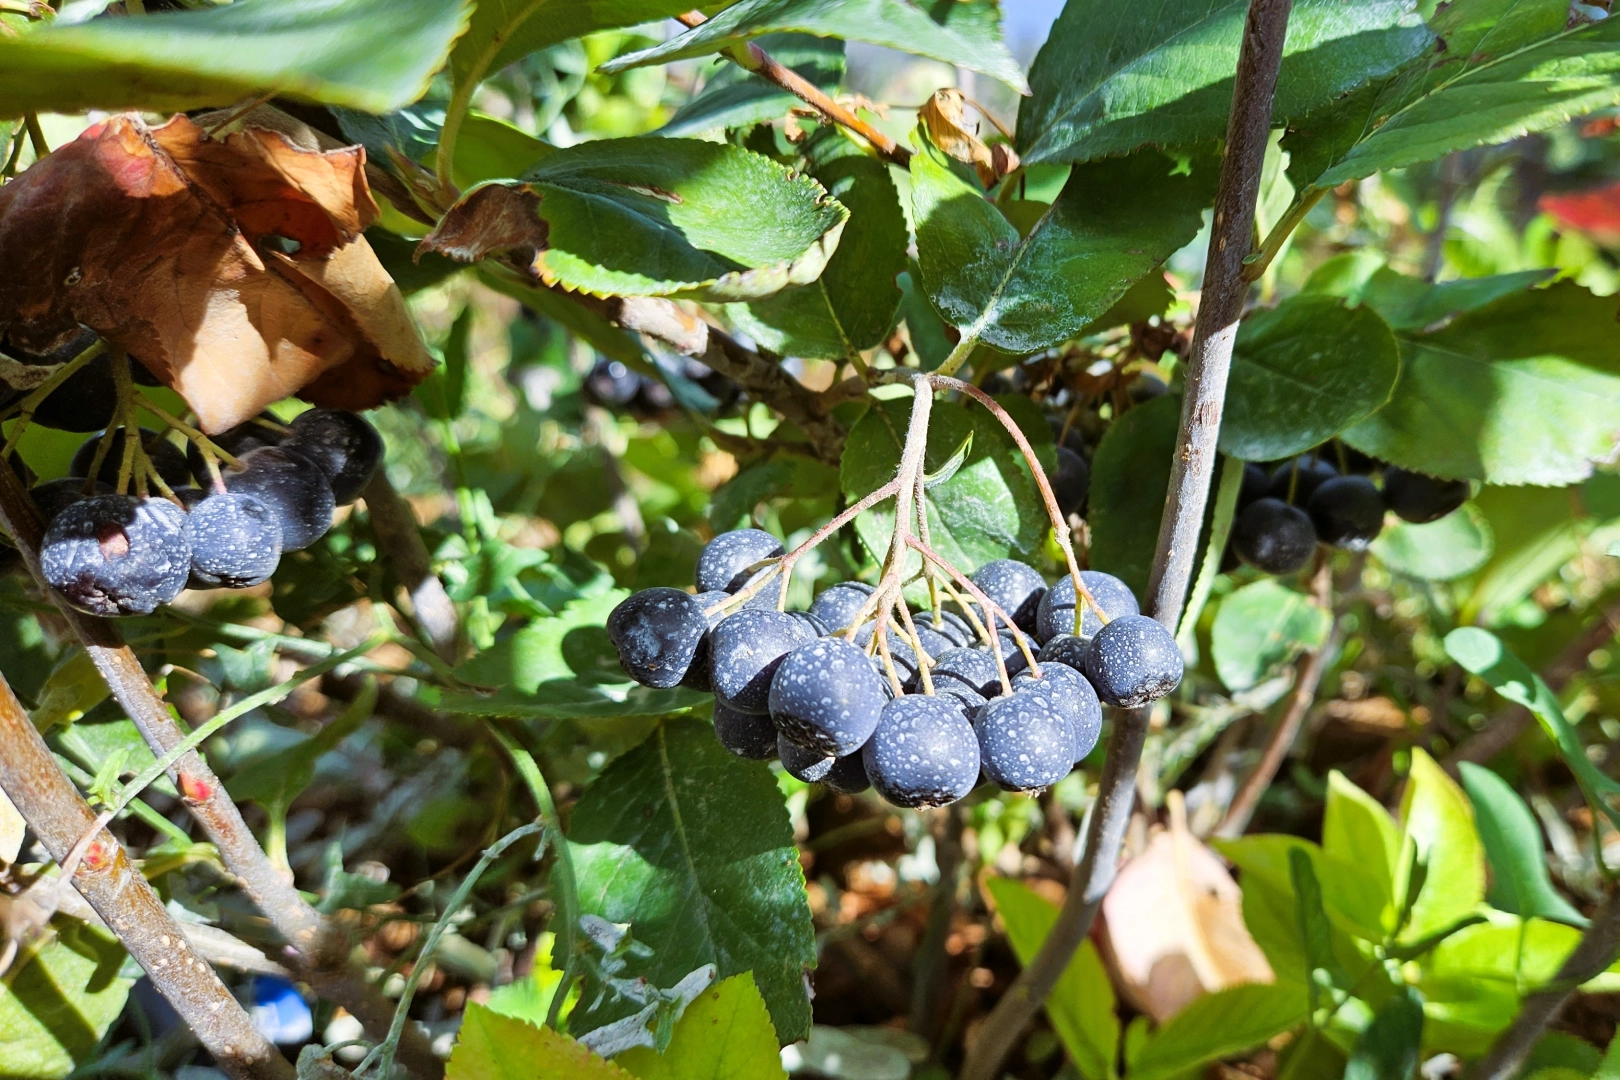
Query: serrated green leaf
x=1409, y=303
x=1081, y=1004
x=989, y=509
x=647, y=851
x=725, y=1034
x=1218, y=1025
x=1525, y=390
x=735, y=97
x=894, y=23
x=495, y=1047
x=1437, y=823
x=1302, y=372
x=1262, y=626
x=1503, y=68
x=502, y=31
x=1130, y=474
x=1115, y=75
x=1391, y=1046
x=58, y=1000
x=1456, y=545
x=1112, y=224
x=1520, y=883
x=852, y=305
x=654, y=217
x=375, y=55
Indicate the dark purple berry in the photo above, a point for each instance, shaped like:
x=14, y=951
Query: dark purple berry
x=923, y=752
x=727, y=561
x=1274, y=537
x=1293, y=481
x=262, y=430
x=1071, y=483
x=802, y=764
x=115, y=555
x=1256, y=485
x=1057, y=606
x=235, y=541
x=973, y=668
x=1418, y=498
x=1133, y=661
x=826, y=697
x=836, y=605
x=1074, y=697
x=293, y=487
x=848, y=775
x=166, y=457
x=345, y=446
x=745, y=651
x=53, y=496
x=1016, y=588
x=1347, y=512
x=656, y=633
x=744, y=734
x=697, y=672
x=1025, y=741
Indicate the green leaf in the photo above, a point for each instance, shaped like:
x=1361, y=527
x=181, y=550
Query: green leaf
x=734, y=97
x=852, y=305
x=375, y=55
x=1359, y=832
x=1262, y=626
x=1302, y=372
x=653, y=217
x=1409, y=303
x=495, y=1047
x=894, y=23
x=1130, y=474
x=1503, y=68
x=1354, y=900
x=1112, y=224
x=537, y=653
x=990, y=509
x=1437, y=823
x=1218, y=1025
x=1525, y=390
x=502, y=31
x=725, y=1034
x=1444, y=550
x=1610, y=1069
x=647, y=851
x=1114, y=75
x=275, y=779
x=1081, y=1004
x=1315, y=930
x=1391, y=1046
x=1535, y=532
x=58, y=1000
x=1481, y=653
x=1520, y=883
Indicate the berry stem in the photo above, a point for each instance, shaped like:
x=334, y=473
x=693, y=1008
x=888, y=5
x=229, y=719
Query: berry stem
x=126, y=416
x=210, y=450
x=994, y=609
x=1209, y=363
x=30, y=404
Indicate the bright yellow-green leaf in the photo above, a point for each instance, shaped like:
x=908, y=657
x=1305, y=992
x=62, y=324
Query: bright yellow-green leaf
x=1359, y=832
x=725, y=1034
x=495, y=1047
x=57, y=1002
x=1438, y=823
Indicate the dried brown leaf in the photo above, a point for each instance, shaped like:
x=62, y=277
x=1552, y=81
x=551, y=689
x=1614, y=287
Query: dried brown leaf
x=233, y=268
x=944, y=117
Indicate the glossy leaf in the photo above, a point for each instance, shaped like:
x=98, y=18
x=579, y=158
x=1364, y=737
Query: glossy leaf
x=1525, y=390
x=1437, y=823
x=1520, y=883
x=1115, y=75
x=894, y=23
x=852, y=305
x=1354, y=901
x=653, y=217
x=1081, y=1004
x=502, y=31
x=1456, y=545
x=1502, y=69
x=1359, y=832
x=1262, y=626
x=1391, y=1046
x=647, y=851
x=1315, y=930
x=1481, y=653
x=1409, y=303
x=1113, y=223
x=1218, y=1025
x=734, y=97
x=1302, y=372
x=989, y=509
x=375, y=55
x=725, y=1034
x=1130, y=474
x=491, y=1046
x=58, y=1000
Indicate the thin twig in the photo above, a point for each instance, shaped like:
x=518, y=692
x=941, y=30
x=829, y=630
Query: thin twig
x=393, y=523
x=320, y=947
x=1308, y=675
x=112, y=885
x=751, y=57
x=1248, y=129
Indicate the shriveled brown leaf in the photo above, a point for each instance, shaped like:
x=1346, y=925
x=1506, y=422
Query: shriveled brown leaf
x=944, y=117
x=234, y=267
x=1173, y=925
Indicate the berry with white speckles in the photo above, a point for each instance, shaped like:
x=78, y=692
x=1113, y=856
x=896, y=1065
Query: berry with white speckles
x=1015, y=587
x=657, y=633
x=1074, y=697
x=826, y=697
x=836, y=605
x=802, y=764
x=974, y=668
x=1133, y=661
x=1025, y=741
x=1057, y=606
x=923, y=753
x=744, y=651
x=725, y=561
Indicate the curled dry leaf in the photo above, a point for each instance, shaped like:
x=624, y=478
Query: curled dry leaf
x=947, y=126
x=234, y=268
x=1172, y=925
